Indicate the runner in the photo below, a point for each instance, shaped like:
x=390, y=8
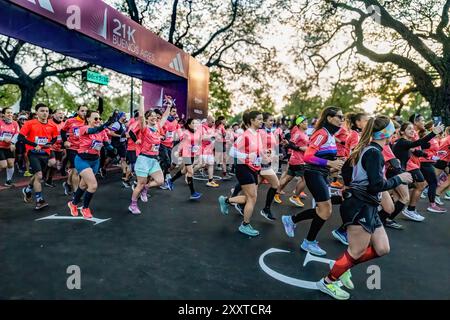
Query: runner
x=118, y=134
x=38, y=136
x=207, y=155
x=9, y=132
x=169, y=130
x=133, y=142
x=320, y=159
x=408, y=152
x=270, y=144
x=92, y=138
x=57, y=152
x=367, y=237
x=188, y=150
x=147, y=165
x=70, y=138
x=248, y=150
x=296, y=166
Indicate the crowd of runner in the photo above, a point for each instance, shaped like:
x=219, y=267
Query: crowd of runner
x=374, y=168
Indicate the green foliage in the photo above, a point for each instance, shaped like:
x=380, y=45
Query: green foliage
x=9, y=94
x=263, y=102
x=219, y=96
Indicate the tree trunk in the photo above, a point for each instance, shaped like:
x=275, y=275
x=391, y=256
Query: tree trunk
x=440, y=103
x=27, y=95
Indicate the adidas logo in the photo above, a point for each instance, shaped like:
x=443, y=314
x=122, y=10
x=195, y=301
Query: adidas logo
x=45, y=4
x=177, y=64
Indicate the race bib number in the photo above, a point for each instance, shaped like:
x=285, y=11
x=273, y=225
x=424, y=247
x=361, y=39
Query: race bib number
x=96, y=145
x=41, y=141
x=58, y=138
x=76, y=132
x=195, y=149
x=155, y=148
x=257, y=161
x=169, y=134
x=7, y=136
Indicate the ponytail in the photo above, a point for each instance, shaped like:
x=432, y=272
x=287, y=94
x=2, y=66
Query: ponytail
x=363, y=142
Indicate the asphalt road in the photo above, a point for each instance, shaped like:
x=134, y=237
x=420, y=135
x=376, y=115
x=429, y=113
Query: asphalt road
x=181, y=249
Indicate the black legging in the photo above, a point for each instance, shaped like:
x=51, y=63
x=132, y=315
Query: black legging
x=429, y=174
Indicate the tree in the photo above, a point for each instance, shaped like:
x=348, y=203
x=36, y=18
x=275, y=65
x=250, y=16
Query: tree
x=219, y=96
x=415, y=32
x=262, y=101
x=13, y=56
x=346, y=96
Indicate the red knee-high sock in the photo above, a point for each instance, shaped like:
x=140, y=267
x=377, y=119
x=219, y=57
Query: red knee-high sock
x=346, y=262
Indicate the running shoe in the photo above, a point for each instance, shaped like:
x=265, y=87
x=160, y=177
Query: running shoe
x=267, y=214
x=289, y=226
x=126, y=184
x=248, y=230
x=212, y=184
x=277, y=198
x=26, y=195
x=143, y=195
x=27, y=174
x=439, y=201
x=345, y=278
x=239, y=208
x=67, y=188
x=424, y=194
x=8, y=184
x=312, y=247
x=86, y=212
x=340, y=236
x=413, y=215
x=195, y=196
x=226, y=177
x=296, y=200
x=393, y=224
x=50, y=184
x=337, y=185
x=73, y=209
x=303, y=195
x=170, y=185
x=164, y=186
x=435, y=208
x=41, y=204
x=447, y=195
x=332, y=289
x=134, y=209
x=223, y=205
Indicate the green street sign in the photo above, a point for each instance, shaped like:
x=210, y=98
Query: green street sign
x=95, y=77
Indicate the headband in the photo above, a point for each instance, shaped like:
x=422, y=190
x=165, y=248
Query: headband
x=384, y=133
x=299, y=120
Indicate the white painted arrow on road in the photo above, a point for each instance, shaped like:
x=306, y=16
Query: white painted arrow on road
x=56, y=217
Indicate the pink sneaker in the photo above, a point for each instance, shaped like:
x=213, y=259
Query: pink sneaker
x=134, y=209
x=435, y=208
x=143, y=195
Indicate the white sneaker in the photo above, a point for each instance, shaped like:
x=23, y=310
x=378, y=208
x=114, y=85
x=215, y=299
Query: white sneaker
x=438, y=201
x=413, y=215
x=446, y=197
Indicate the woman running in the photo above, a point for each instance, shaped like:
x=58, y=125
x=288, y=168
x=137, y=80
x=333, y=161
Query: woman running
x=189, y=149
x=427, y=168
x=356, y=123
x=270, y=145
x=359, y=211
x=92, y=138
x=408, y=152
x=147, y=165
x=248, y=150
x=320, y=159
x=298, y=143
x=9, y=132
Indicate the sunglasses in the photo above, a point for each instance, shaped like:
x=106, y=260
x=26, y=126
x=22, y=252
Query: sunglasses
x=341, y=117
x=97, y=119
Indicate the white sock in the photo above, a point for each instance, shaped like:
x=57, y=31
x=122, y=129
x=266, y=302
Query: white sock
x=9, y=173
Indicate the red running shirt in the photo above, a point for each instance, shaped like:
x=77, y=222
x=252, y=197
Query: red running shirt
x=91, y=143
x=39, y=133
